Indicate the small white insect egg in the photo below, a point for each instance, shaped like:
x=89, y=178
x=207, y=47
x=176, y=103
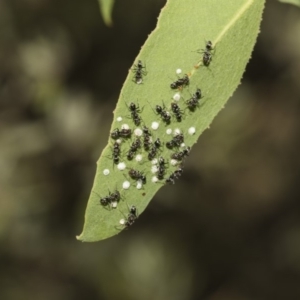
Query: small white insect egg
x=119, y=141
x=114, y=204
x=122, y=221
x=139, y=185
x=139, y=157
x=178, y=71
x=154, y=125
x=192, y=130
x=121, y=166
x=119, y=119
x=182, y=145
x=177, y=131
x=176, y=97
x=126, y=185
x=138, y=132
x=173, y=162
x=154, y=169
x=125, y=126
x=154, y=161
x=169, y=131
x=106, y=172
x=154, y=179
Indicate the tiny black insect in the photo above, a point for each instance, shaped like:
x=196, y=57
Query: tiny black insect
x=194, y=101
x=181, y=82
x=125, y=133
x=136, y=119
x=112, y=197
x=178, y=173
x=147, y=142
x=171, y=179
x=176, y=141
x=131, y=218
x=161, y=162
x=161, y=168
x=156, y=145
x=117, y=133
x=208, y=46
x=116, y=152
x=177, y=111
x=181, y=155
x=137, y=144
x=135, y=110
x=115, y=196
x=105, y=201
x=130, y=154
x=137, y=175
x=147, y=138
x=146, y=131
x=139, y=72
x=207, y=55
x=175, y=175
x=165, y=115
x=152, y=153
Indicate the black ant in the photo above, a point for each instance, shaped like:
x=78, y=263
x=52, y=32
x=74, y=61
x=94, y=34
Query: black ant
x=146, y=131
x=147, y=138
x=115, y=196
x=175, y=175
x=125, y=133
x=112, y=197
x=137, y=175
x=135, y=110
x=147, y=142
x=161, y=168
x=165, y=115
x=156, y=145
x=152, y=153
x=161, y=110
x=176, y=141
x=139, y=72
x=181, y=82
x=207, y=55
x=194, y=101
x=134, y=147
x=117, y=133
x=131, y=218
x=181, y=155
x=105, y=201
x=116, y=152
x=177, y=112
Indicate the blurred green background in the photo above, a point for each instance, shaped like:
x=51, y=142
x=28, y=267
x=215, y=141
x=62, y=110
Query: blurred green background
x=228, y=229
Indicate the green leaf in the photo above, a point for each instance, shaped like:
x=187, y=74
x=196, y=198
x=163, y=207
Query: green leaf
x=106, y=9
x=295, y=2
x=183, y=27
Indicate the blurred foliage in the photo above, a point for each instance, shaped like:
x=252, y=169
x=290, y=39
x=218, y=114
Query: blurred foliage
x=295, y=2
x=106, y=7
x=229, y=229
